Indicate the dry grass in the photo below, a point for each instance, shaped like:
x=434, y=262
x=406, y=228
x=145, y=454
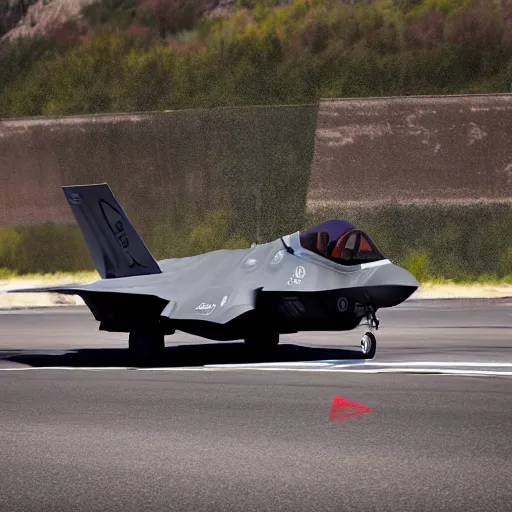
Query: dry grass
x=463, y=291
x=429, y=290
x=32, y=300
x=9, y=279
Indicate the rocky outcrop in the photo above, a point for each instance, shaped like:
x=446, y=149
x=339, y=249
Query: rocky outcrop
x=20, y=18
x=30, y=17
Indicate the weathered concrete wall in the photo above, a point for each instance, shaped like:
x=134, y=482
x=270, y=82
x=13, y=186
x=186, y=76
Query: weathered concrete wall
x=412, y=149
x=174, y=167
x=358, y=159
x=179, y=166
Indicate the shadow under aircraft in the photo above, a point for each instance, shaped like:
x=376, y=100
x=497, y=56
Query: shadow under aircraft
x=180, y=356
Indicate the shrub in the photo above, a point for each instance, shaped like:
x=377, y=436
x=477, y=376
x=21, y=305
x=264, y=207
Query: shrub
x=426, y=31
x=215, y=233
x=10, y=242
x=47, y=248
x=417, y=263
x=505, y=264
x=6, y=273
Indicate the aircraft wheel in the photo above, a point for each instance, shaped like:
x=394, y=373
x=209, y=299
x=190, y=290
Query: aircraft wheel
x=146, y=346
x=262, y=341
x=368, y=345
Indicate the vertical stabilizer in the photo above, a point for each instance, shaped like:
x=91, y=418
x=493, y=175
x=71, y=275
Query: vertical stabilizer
x=116, y=248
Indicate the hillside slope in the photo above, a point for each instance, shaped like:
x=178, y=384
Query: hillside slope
x=127, y=55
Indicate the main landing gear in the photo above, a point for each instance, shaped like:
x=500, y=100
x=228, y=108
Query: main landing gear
x=146, y=346
x=369, y=341
x=261, y=341
x=260, y=345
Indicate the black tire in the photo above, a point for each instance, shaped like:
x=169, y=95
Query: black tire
x=261, y=341
x=146, y=346
x=368, y=345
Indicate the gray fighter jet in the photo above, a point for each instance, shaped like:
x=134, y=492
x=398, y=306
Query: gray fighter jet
x=331, y=277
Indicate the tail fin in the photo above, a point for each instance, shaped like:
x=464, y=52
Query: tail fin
x=116, y=248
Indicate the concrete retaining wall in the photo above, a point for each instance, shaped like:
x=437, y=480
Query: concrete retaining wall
x=455, y=149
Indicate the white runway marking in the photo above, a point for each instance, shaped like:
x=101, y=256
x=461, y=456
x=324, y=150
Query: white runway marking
x=484, y=369
x=442, y=363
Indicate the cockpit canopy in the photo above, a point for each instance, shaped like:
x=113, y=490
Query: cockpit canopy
x=341, y=242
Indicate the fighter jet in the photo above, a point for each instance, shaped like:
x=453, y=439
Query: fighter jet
x=331, y=277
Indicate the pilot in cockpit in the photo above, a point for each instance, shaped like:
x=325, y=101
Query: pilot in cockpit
x=336, y=248
x=340, y=242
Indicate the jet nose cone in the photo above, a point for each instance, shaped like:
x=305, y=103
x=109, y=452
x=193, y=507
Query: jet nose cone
x=403, y=277
x=391, y=285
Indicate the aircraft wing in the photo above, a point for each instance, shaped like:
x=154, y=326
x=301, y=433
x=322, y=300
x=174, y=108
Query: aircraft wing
x=206, y=287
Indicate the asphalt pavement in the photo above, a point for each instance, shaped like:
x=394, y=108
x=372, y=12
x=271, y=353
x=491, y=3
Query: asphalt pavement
x=210, y=429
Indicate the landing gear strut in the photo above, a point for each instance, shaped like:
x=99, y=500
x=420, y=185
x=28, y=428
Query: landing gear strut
x=369, y=341
x=146, y=346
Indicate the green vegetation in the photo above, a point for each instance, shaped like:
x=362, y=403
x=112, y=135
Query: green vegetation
x=439, y=244
x=462, y=244
x=128, y=55
x=47, y=248
x=218, y=232
x=53, y=248
x=6, y=273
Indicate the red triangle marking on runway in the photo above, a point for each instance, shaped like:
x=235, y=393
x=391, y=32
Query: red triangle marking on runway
x=343, y=409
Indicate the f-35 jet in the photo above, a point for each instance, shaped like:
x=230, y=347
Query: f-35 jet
x=330, y=277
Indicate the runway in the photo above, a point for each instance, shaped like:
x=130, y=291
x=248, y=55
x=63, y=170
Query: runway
x=449, y=332
x=211, y=430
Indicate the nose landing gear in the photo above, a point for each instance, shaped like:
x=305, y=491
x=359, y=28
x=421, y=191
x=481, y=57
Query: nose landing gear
x=368, y=345
x=369, y=341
